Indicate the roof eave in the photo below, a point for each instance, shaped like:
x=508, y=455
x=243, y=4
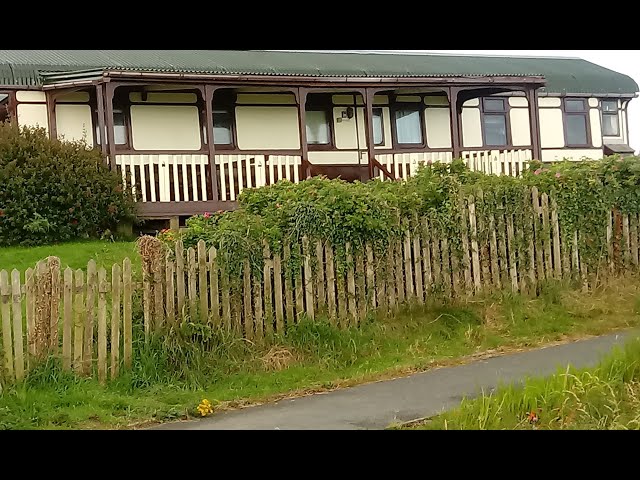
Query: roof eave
x=301, y=79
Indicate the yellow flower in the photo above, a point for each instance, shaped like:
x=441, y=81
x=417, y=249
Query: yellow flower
x=205, y=408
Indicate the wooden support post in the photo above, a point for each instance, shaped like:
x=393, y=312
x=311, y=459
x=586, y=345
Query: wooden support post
x=301, y=98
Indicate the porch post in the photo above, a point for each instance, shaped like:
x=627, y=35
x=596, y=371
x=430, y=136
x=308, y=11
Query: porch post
x=456, y=142
x=369, y=95
x=111, y=142
x=101, y=123
x=534, y=120
x=208, y=101
x=51, y=114
x=301, y=97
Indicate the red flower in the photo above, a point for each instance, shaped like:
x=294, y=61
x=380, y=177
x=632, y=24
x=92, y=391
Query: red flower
x=207, y=215
x=74, y=222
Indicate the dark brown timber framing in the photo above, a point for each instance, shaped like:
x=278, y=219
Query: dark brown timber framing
x=534, y=121
x=101, y=119
x=301, y=99
x=209, y=90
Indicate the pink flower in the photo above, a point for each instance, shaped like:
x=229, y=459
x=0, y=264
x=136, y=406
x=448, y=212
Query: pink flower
x=207, y=215
x=558, y=175
x=538, y=172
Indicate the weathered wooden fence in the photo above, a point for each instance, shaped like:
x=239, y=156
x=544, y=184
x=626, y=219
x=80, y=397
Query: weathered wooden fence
x=86, y=318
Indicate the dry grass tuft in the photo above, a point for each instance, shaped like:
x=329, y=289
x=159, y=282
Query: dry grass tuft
x=277, y=359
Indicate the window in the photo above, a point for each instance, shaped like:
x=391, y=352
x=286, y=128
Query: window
x=4, y=107
x=408, y=124
x=223, y=126
x=494, y=122
x=318, y=129
x=119, y=128
x=378, y=127
x=610, y=122
x=575, y=122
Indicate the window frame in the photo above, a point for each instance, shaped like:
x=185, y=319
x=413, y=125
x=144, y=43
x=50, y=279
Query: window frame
x=383, y=142
x=416, y=106
x=611, y=114
x=505, y=113
x=587, y=121
x=320, y=102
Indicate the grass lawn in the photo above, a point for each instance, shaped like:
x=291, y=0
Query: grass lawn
x=603, y=398
x=74, y=254
x=172, y=374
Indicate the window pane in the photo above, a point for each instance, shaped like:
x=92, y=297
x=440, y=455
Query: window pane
x=576, y=129
x=610, y=125
x=408, y=126
x=222, y=127
x=317, y=128
x=378, y=137
x=574, y=105
x=609, y=106
x=494, y=105
x=119, y=129
x=495, y=130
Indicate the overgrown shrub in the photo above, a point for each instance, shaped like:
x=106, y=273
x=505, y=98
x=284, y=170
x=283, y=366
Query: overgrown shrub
x=53, y=191
x=378, y=212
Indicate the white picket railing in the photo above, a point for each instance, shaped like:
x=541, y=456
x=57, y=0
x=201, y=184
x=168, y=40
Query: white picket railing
x=405, y=165
x=180, y=178
x=237, y=172
x=498, y=162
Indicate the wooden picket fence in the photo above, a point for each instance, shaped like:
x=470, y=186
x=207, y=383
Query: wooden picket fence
x=85, y=318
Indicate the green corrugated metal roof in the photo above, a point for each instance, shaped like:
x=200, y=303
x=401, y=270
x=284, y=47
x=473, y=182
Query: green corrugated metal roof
x=564, y=75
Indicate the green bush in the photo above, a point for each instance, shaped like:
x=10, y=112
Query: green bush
x=52, y=191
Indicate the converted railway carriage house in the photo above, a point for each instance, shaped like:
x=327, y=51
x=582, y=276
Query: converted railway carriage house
x=276, y=115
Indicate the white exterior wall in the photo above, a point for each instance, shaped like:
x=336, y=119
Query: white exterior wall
x=267, y=128
x=556, y=155
x=438, y=126
x=165, y=127
x=33, y=115
x=471, y=128
x=73, y=122
x=551, y=128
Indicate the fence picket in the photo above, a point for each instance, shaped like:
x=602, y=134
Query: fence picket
x=473, y=232
x=331, y=282
x=127, y=323
x=483, y=245
x=360, y=288
x=351, y=287
x=426, y=258
x=370, y=291
x=103, y=288
x=214, y=286
x=30, y=299
x=7, y=344
x=268, y=305
x=203, y=291
x=67, y=322
x=277, y=292
x=249, y=328
x=446, y=267
x=170, y=308
x=226, y=301
x=54, y=310
x=557, y=254
x=547, y=236
x=493, y=246
x=116, y=277
x=626, y=241
x=400, y=276
x=180, y=287
x=537, y=229
x=191, y=276
x=288, y=284
x=408, y=264
x=92, y=287
x=78, y=320
x=308, y=279
x=633, y=232
x=320, y=268
x=18, y=340
x=390, y=279
x=258, y=318
x=298, y=285
x=512, y=254
x=42, y=327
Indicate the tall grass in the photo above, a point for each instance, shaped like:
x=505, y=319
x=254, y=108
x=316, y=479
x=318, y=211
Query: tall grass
x=606, y=397
x=174, y=370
